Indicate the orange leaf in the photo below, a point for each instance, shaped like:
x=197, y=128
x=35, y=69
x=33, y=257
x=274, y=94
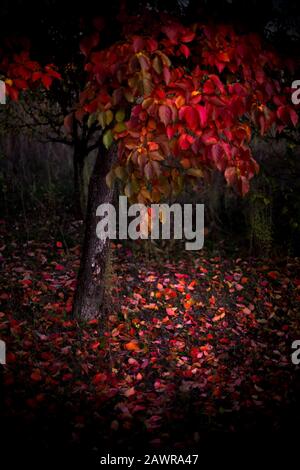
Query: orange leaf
x=132, y=346
x=218, y=317
x=129, y=392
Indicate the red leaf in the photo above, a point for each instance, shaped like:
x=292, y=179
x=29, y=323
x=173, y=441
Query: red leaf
x=185, y=51
x=148, y=170
x=138, y=43
x=20, y=84
x=171, y=131
x=287, y=115
x=244, y=185
x=12, y=92
x=47, y=81
x=165, y=114
x=171, y=32
x=209, y=87
x=167, y=75
x=230, y=175
x=273, y=274
x=191, y=117
x=223, y=57
x=129, y=392
x=152, y=45
x=52, y=73
x=188, y=36
x=36, y=376
x=185, y=141
x=202, y=112
x=213, y=84
x=36, y=76
x=100, y=377
x=59, y=267
x=208, y=138
x=294, y=116
x=218, y=156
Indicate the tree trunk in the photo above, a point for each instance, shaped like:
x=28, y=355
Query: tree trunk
x=90, y=293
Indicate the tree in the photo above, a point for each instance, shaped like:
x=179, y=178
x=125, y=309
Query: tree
x=173, y=105
x=179, y=102
x=47, y=111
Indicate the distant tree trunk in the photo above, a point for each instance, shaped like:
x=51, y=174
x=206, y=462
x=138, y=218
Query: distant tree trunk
x=90, y=291
x=78, y=166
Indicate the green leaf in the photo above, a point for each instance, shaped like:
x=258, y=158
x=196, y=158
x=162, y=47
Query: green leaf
x=92, y=118
x=108, y=138
x=120, y=115
x=195, y=172
x=109, y=117
x=120, y=127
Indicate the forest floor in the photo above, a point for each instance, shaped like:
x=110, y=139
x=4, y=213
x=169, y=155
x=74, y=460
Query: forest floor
x=196, y=343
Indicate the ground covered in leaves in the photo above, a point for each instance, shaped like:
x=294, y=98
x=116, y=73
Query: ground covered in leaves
x=198, y=343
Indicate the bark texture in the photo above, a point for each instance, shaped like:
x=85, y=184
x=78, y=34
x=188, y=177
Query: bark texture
x=90, y=292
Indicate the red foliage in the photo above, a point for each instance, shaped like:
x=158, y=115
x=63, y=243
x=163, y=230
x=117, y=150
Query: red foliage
x=179, y=102
x=22, y=73
x=199, y=103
